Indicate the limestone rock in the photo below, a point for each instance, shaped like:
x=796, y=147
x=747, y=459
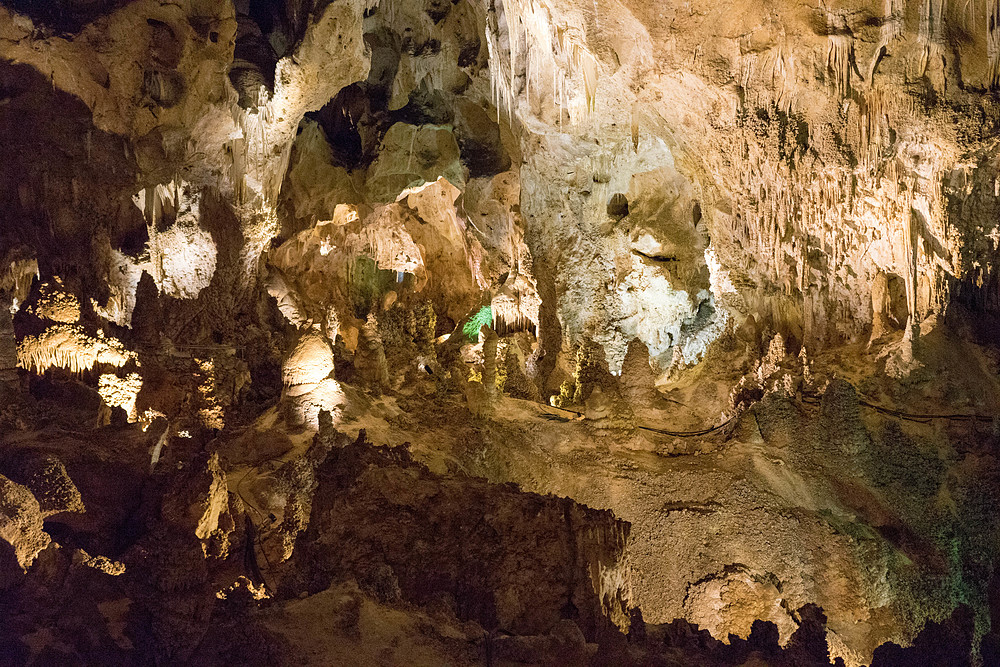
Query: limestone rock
x=411, y=156
x=46, y=478
x=198, y=501
x=248, y=221
x=507, y=579
x=21, y=522
x=310, y=362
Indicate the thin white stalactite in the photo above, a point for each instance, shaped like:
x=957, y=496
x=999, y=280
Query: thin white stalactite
x=993, y=41
x=530, y=46
x=839, y=55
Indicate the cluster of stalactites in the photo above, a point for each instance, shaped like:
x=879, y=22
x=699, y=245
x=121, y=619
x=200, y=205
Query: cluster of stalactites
x=182, y=255
x=890, y=215
x=388, y=244
x=522, y=38
x=256, y=174
x=161, y=202
x=993, y=40
x=69, y=347
x=515, y=310
x=937, y=21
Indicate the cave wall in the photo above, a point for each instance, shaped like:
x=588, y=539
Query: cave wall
x=221, y=221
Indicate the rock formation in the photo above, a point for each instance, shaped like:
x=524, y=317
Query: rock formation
x=552, y=332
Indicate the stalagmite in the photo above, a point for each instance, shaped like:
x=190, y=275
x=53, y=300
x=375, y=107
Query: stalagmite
x=488, y=337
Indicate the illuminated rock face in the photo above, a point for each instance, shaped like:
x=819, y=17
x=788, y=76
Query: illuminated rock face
x=816, y=149
x=749, y=252
x=182, y=255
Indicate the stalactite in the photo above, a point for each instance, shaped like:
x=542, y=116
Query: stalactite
x=840, y=61
x=635, y=126
x=69, y=347
x=519, y=38
x=500, y=65
x=993, y=41
x=587, y=65
x=930, y=32
x=18, y=277
x=783, y=80
x=892, y=25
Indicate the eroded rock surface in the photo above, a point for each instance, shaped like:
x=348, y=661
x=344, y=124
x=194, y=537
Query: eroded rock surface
x=723, y=273
x=503, y=558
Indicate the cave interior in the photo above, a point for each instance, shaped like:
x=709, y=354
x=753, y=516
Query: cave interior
x=500, y=332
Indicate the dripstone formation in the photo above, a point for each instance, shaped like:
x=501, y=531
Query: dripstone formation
x=504, y=332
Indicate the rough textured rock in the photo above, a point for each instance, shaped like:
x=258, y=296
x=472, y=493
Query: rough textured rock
x=506, y=559
x=46, y=478
x=21, y=522
x=728, y=271
x=198, y=501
